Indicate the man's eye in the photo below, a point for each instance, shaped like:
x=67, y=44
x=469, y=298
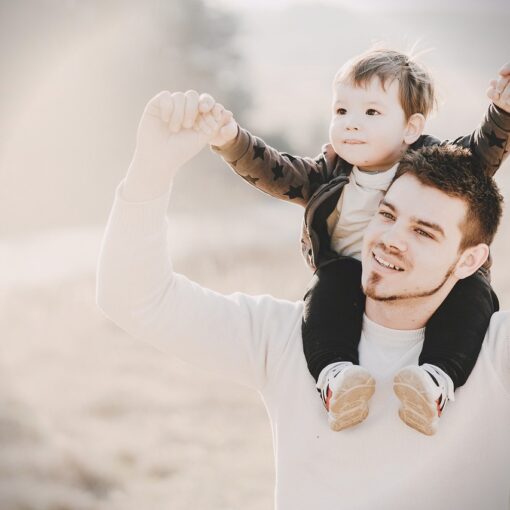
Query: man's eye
x=422, y=233
x=387, y=215
x=371, y=111
x=341, y=111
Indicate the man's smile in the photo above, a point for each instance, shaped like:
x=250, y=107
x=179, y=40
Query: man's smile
x=385, y=263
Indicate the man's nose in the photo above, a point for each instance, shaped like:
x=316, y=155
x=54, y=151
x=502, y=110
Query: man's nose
x=394, y=240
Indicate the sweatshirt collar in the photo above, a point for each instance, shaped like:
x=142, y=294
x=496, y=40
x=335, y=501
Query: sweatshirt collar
x=391, y=337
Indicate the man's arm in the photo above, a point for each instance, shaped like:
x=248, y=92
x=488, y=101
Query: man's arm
x=137, y=287
x=281, y=175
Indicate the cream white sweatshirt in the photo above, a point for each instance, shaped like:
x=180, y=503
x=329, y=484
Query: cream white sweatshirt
x=380, y=464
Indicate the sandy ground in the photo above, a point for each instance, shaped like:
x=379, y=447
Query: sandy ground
x=92, y=419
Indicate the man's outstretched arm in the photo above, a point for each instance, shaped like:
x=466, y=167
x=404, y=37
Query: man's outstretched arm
x=136, y=285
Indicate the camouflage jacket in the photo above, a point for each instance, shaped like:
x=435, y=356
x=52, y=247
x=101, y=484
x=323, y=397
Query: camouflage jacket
x=317, y=183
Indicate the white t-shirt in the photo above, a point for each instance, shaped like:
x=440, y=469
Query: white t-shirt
x=381, y=463
x=357, y=205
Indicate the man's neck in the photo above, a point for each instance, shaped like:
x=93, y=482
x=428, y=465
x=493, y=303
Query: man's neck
x=403, y=314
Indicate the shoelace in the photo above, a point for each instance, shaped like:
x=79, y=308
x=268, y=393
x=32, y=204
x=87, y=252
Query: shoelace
x=326, y=376
x=444, y=384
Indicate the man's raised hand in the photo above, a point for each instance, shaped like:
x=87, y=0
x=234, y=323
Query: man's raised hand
x=167, y=138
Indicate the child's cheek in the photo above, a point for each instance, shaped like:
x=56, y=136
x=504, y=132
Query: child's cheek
x=335, y=135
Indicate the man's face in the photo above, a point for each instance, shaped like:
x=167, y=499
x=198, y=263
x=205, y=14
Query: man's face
x=368, y=124
x=411, y=246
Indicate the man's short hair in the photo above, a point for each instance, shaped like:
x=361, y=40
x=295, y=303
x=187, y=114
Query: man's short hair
x=457, y=173
x=416, y=89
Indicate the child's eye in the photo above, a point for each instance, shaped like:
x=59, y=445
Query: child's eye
x=371, y=111
x=341, y=111
x=387, y=215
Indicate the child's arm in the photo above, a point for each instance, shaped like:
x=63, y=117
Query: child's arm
x=279, y=174
x=490, y=142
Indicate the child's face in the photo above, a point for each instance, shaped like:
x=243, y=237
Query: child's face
x=368, y=124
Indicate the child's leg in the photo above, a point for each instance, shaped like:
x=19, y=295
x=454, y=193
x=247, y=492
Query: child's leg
x=455, y=332
x=453, y=339
x=331, y=330
x=334, y=305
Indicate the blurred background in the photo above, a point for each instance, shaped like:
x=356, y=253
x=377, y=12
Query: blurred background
x=89, y=418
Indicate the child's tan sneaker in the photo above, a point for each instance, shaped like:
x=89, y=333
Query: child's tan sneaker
x=423, y=392
x=345, y=391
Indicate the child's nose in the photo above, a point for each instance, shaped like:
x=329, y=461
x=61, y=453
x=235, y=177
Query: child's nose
x=351, y=123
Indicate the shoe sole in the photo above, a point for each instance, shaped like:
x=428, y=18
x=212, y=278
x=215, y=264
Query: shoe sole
x=351, y=405
x=416, y=410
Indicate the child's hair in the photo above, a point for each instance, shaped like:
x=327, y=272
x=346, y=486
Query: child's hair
x=454, y=171
x=416, y=88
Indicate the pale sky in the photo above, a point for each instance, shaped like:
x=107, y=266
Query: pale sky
x=369, y=5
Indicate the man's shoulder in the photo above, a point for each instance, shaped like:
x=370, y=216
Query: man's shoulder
x=497, y=338
x=285, y=305
x=497, y=346
x=273, y=309
x=276, y=328
x=499, y=324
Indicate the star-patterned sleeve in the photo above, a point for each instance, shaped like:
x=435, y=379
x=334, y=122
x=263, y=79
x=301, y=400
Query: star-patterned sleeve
x=279, y=174
x=490, y=142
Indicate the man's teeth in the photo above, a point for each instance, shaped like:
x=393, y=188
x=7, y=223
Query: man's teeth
x=387, y=264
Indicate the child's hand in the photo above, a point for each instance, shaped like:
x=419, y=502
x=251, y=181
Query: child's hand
x=499, y=90
x=215, y=122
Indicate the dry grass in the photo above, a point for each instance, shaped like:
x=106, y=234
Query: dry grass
x=92, y=419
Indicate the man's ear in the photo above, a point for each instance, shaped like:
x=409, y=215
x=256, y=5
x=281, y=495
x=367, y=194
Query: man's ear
x=471, y=260
x=414, y=128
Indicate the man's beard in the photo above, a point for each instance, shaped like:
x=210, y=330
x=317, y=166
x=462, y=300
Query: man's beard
x=374, y=278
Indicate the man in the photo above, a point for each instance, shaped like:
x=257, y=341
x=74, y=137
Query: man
x=415, y=250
